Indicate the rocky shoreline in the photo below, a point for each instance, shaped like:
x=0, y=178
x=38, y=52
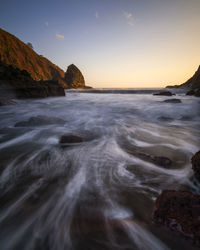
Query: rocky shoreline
x=179, y=210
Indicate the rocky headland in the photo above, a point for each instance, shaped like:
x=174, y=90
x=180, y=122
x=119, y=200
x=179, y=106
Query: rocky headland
x=192, y=85
x=30, y=75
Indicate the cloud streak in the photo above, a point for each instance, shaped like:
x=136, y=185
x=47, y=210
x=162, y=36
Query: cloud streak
x=59, y=36
x=97, y=14
x=46, y=24
x=129, y=17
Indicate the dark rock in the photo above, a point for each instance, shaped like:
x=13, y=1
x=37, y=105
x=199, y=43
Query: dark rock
x=74, y=77
x=70, y=139
x=39, y=121
x=173, y=100
x=195, y=92
x=179, y=211
x=190, y=92
x=6, y=101
x=165, y=118
x=157, y=160
x=165, y=93
x=196, y=164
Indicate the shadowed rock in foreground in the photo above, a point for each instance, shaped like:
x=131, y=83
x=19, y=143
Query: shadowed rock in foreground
x=179, y=211
x=196, y=165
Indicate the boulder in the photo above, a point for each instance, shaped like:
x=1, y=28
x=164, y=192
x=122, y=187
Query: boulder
x=196, y=164
x=179, y=211
x=74, y=77
x=39, y=121
x=173, y=100
x=164, y=93
x=70, y=139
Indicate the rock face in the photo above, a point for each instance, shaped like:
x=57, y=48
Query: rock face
x=18, y=54
x=74, y=77
x=16, y=83
x=179, y=211
x=196, y=164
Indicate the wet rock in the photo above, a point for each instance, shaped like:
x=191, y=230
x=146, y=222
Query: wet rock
x=157, y=160
x=173, y=100
x=196, y=164
x=195, y=92
x=165, y=93
x=70, y=139
x=39, y=121
x=6, y=101
x=165, y=118
x=179, y=211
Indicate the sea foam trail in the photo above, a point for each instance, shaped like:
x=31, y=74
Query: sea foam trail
x=98, y=194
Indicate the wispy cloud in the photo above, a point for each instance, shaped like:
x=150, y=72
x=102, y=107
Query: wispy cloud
x=46, y=24
x=59, y=36
x=129, y=17
x=97, y=14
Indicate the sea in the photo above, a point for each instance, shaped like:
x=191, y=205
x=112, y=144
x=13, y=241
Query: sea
x=98, y=194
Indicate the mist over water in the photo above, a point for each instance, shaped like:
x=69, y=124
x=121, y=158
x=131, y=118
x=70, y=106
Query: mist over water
x=98, y=194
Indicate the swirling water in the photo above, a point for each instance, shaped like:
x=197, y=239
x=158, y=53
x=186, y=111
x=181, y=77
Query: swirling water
x=98, y=194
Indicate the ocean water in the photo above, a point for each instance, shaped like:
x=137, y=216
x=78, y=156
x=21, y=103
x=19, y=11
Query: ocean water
x=98, y=194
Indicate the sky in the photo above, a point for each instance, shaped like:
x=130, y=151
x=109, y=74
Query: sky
x=115, y=43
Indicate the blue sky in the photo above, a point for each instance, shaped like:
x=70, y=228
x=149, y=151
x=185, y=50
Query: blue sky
x=115, y=43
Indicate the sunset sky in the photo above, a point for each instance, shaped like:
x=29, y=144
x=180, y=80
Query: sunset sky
x=115, y=43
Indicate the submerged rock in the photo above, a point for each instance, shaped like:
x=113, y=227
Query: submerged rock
x=70, y=139
x=157, y=160
x=179, y=211
x=173, y=100
x=39, y=121
x=196, y=164
x=165, y=93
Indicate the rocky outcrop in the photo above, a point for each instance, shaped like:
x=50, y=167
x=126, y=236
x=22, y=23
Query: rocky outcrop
x=179, y=211
x=16, y=83
x=196, y=165
x=74, y=77
x=165, y=93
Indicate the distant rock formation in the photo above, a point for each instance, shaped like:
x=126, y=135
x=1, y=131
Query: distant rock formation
x=192, y=83
x=16, y=83
x=74, y=77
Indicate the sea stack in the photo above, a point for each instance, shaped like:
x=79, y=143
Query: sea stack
x=74, y=77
